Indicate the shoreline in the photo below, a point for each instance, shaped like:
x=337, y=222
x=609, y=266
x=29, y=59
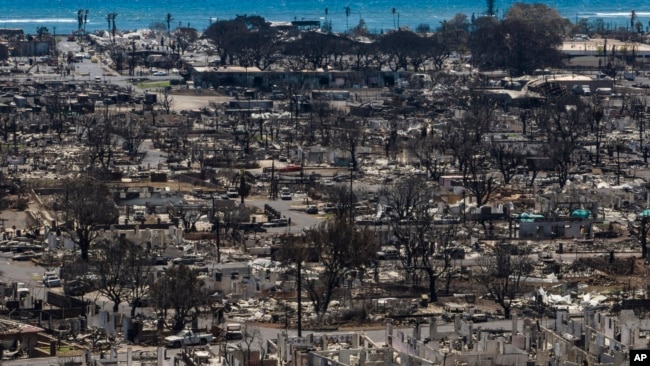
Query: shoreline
x=377, y=20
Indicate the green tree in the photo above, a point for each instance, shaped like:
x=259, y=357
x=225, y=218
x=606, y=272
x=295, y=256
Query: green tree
x=226, y=36
x=403, y=47
x=527, y=39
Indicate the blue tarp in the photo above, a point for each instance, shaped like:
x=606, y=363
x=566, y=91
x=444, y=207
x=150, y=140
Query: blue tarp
x=526, y=217
x=581, y=213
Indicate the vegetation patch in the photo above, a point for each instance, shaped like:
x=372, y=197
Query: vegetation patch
x=153, y=84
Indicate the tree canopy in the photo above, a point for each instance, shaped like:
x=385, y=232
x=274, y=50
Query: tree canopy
x=527, y=38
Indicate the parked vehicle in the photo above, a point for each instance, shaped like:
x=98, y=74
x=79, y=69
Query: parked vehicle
x=604, y=91
x=582, y=90
x=311, y=209
x=77, y=288
x=388, y=254
x=232, y=192
x=26, y=255
x=276, y=223
x=187, y=259
x=290, y=168
x=234, y=332
x=188, y=338
x=479, y=318
x=159, y=261
x=251, y=227
x=49, y=274
x=52, y=281
x=629, y=75
x=285, y=193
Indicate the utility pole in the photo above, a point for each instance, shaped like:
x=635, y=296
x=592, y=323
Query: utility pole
x=299, y=285
x=216, y=228
x=618, y=163
x=351, y=169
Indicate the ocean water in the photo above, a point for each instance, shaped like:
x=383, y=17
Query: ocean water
x=61, y=15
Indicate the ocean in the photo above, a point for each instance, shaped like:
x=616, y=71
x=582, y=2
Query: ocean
x=60, y=16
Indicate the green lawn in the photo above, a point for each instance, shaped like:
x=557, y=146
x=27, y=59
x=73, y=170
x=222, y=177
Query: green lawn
x=153, y=84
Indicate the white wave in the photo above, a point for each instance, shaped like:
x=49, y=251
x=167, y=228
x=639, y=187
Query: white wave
x=59, y=20
x=620, y=14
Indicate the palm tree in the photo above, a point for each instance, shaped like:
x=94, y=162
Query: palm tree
x=80, y=19
x=347, y=17
x=394, y=11
x=490, y=8
x=111, y=23
x=327, y=26
x=168, y=20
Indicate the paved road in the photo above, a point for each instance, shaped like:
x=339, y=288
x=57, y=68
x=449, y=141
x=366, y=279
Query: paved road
x=23, y=272
x=299, y=219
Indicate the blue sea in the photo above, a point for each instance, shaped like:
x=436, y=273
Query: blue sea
x=60, y=16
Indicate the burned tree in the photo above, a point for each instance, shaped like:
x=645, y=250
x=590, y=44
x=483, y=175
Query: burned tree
x=114, y=261
x=644, y=229
x=563, y=122
x=183, y=292
x=101, y=146
x=477, y=178
x=428, y=150
x=504, y=276
x=427, y=250
x=506, y=158
x=341, y=247
x=86, y=204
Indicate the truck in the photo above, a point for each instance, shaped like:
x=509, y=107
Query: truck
x=188, y=338
x=234, y=332
x=629, y=75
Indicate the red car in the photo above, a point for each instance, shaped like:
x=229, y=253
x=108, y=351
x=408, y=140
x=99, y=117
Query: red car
x=290, y=168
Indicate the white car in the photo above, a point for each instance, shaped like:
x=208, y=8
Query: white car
x=52, y=281
x=159, y=73
x=232, y=192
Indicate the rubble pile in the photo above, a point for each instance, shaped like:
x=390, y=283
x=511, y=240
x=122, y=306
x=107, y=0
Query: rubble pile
x=617, y=267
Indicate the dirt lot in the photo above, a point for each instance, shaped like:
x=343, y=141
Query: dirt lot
x=188, y=99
